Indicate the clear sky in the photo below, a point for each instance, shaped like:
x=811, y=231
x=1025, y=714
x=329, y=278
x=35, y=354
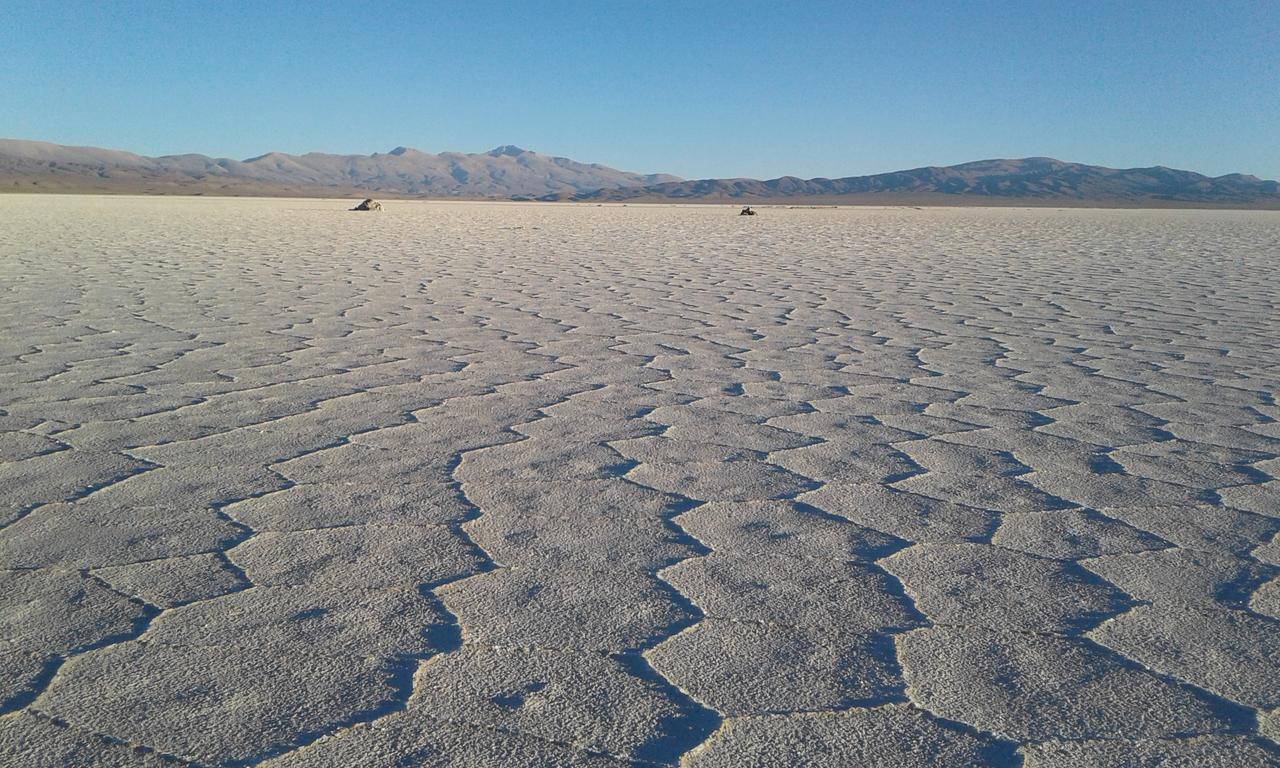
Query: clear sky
x=695, y=88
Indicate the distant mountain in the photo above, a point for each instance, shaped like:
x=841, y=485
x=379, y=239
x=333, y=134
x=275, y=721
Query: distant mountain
x=504, y=172
x=1033, y=179
x=510, y=172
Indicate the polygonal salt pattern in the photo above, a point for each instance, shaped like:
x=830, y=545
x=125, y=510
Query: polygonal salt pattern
x=987, y=586
x=470, y=485
x=1036, y=687
x=889, y=736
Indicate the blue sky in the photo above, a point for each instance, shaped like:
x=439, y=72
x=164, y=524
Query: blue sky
x=694, y=88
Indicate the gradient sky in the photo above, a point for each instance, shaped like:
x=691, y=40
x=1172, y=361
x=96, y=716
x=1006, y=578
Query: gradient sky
x=700, y=89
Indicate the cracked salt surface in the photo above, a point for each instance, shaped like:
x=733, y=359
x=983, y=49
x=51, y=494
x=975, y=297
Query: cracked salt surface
x=289, y=487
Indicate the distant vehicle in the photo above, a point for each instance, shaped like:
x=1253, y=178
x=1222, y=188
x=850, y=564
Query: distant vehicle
x=746, y=211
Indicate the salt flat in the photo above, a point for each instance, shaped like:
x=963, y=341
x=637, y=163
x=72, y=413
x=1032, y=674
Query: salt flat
x=537, y=485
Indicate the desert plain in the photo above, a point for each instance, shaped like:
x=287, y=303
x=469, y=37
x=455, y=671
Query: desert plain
x=450, y=484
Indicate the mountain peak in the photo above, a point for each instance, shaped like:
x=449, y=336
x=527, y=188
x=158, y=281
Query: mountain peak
x=398, y=151
x=511, y=150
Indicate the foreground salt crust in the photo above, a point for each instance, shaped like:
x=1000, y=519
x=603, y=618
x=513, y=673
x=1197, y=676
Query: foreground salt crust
x=538, y=485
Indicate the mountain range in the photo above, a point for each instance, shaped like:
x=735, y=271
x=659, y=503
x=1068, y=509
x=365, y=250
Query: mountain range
x=510, y=172
x=1028, y=179
x=503, y=172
